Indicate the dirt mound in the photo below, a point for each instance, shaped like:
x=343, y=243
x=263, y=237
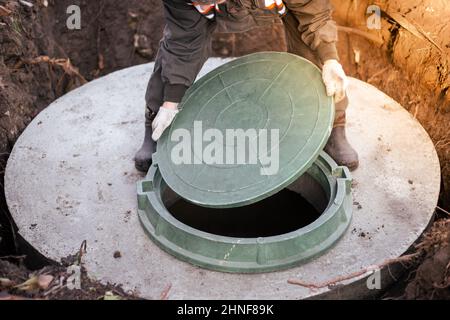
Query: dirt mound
x=408, y=58
x=67, y=281
x=432, y=278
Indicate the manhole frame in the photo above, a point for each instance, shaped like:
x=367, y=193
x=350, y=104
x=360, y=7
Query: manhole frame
x=249, y=255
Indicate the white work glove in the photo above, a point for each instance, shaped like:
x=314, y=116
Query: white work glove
x=334, y=79
x=162, y=121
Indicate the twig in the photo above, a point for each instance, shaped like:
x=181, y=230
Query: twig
x=63, y=63
x=54, y=290
x=412, y=27
x=376, y=74
x=443, y=210
x=361, y=33
x=4, y=11
x=442, y=286
x=441, y=143
x=165, y=293
x=13, y=257
x=82, y=251
x=332, y=282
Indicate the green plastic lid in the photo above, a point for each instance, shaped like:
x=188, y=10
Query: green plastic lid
x=246, y=130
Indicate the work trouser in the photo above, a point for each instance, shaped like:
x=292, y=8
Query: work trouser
x=295, y=45
x=155, y=93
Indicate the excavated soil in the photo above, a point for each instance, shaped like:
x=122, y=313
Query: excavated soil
x=40, y=60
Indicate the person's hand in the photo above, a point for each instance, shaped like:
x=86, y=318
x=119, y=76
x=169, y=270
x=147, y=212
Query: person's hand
x=163, y=120
x=335, y=79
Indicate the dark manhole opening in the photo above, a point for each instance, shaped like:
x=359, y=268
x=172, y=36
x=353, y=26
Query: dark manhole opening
x=279, y=214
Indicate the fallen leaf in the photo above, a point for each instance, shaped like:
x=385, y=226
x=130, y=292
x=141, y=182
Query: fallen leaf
x=4, y=11
x=6, y=283
x=44, y=281
x=29, y=285
x=35, y=283
x=26, y=3
x=111, y=296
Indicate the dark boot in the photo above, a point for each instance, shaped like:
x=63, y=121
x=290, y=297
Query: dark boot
x=340, y=149
x=143, y=158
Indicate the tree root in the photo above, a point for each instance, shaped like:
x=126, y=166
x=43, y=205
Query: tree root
x=65, y=64
x=335, y=281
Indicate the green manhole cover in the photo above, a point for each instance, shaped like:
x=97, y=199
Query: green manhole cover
x=248, y=255
x=255, y=95
x=246, y=131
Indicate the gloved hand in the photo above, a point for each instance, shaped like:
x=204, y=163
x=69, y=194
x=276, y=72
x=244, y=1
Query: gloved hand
x=162, y=121
x=335, y=79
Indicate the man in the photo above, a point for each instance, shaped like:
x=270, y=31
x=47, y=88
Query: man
x=186, y=45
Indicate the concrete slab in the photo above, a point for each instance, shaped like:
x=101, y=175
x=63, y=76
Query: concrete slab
x=71, y=178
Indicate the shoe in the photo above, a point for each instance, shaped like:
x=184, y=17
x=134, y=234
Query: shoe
x=143, y=158
x=340, y=149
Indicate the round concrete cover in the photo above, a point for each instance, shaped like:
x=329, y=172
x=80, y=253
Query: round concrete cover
x=246, y=130
x=82, y=186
